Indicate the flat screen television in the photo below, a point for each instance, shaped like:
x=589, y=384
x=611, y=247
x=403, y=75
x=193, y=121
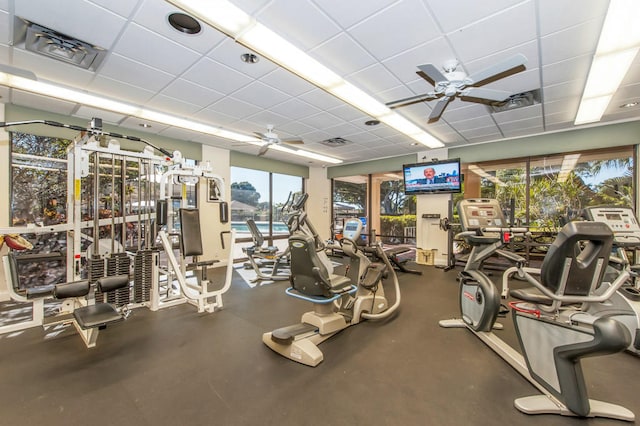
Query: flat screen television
x=432, y=177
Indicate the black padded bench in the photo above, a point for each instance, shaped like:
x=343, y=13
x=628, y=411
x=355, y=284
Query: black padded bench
x=99, y=314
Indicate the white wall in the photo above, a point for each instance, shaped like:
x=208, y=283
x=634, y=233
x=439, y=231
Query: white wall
x=318, y=206
x=428, y=233
x=210, y=212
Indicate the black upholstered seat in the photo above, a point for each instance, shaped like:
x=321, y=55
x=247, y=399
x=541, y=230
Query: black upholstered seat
x=575, y=263
x=310, y=274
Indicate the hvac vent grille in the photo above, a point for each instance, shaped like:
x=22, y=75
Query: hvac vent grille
x=64, y=48
x=519, y=100
x=335, y=142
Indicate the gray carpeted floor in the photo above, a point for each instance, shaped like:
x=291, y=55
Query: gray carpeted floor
x=178, y=367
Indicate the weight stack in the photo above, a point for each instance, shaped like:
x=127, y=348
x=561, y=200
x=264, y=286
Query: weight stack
x=119, y=264
x=143, y=275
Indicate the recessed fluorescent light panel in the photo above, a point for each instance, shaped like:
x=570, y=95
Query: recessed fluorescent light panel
x=617, y=48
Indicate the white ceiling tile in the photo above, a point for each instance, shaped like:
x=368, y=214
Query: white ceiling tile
x=405, y=64
x=464, y=13
x=214, y=117
x=259, y=122
x=107, y=116
x=523, y=131
x=77, y=18
x=348, y=13
x=343, y=130
x=261, y=95
x=118, y=90
x=294, y=109
x=287, y=82
x=529, y=50
x=141, y=45
x=528, y=123
x=343, y=55
x=349, y=113
x=134, y=123
x=557, y=15
x=4, y=5
x=5, y=28
x=172, y=106
x=564, y=90
x=42, y=103
x=5, y=52
x=321, y=120
x=565, y=71
x=50, y=69
x=518, y=114
x=191, y=92
x=501, y=31
x=301, y=22
x=321, y=99
x=566, y=105
x=406, y=24
x=121, y=7
x=484, y=122
x=575, y=41
x=295, y=128
x=216, y=76
x=374, y=79
x=229, y=52
x=137, y=74
x=234, y=107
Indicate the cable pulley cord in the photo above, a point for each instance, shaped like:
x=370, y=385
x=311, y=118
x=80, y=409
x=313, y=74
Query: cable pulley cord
x=113, y=203
x=84, y=129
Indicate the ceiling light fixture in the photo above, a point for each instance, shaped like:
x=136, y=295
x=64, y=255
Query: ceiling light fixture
x=246, y=30
x=372, y=122
x=630, y=104
x=249, y=58
x=145, y=125
x=617, y=47
x=53, y=91
x=184, y=23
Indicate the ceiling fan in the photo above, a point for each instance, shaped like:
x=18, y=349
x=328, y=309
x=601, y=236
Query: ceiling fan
x=454, y=83
x=271, y=138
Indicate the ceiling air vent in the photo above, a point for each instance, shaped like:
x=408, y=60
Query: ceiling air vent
x=335, y=142
x=519, y=100
x=59, y=46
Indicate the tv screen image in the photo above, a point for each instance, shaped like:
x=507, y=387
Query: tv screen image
x=433, y=177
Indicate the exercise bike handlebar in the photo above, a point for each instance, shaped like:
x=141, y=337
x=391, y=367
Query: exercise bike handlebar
x=523, y=231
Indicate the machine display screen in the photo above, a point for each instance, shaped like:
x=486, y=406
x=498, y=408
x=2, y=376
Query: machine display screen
x=613, y=216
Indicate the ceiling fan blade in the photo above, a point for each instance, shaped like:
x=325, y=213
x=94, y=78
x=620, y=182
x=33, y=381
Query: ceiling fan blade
x=516, y=61
x=439, y=108
x=432, y=73
x=292, y=141
x=260, y=135
x=490, y=94
x=263, y=149
x=411, y=99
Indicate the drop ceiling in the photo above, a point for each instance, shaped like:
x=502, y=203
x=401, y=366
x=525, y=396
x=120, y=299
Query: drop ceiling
x=374, y=44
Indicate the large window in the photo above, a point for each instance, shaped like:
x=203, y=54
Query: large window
x=260, y=196
x=350, y=199
x=396, y=217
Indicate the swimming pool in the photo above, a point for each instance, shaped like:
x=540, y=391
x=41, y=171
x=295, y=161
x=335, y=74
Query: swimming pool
x=279, y=228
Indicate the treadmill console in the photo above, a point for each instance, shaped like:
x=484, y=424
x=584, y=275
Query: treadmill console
x=352, y=229
x=621, y=220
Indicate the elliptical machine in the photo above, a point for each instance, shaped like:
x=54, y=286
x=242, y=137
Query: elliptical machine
x=338, y=301
x=552, y=339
